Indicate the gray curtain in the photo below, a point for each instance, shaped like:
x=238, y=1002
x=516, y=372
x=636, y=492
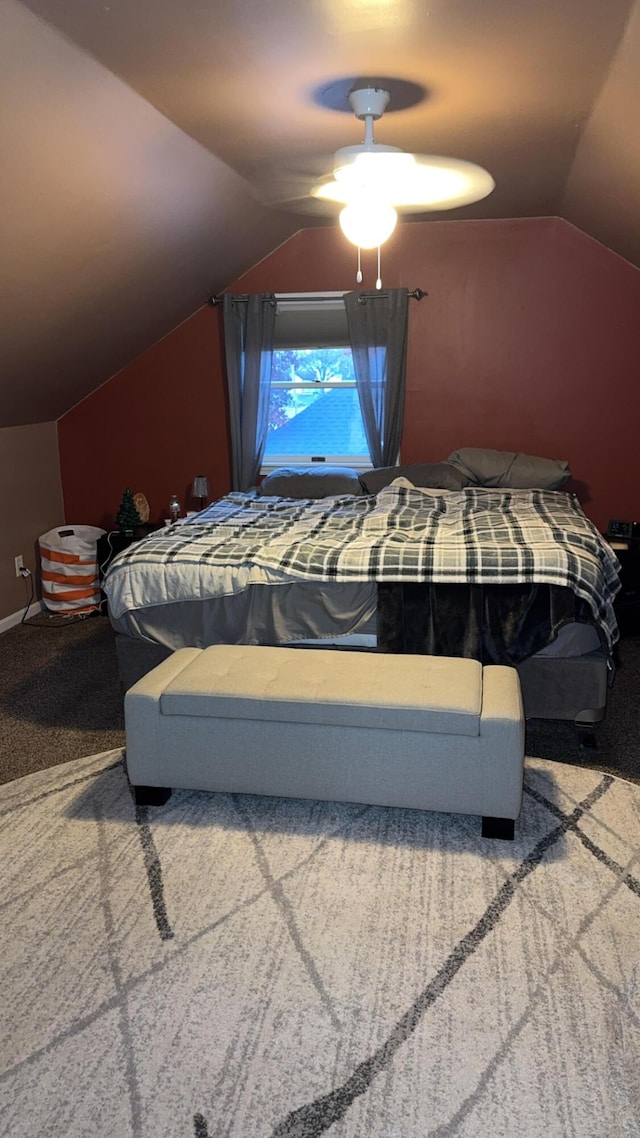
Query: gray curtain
x=378, y=334
x=249, y=323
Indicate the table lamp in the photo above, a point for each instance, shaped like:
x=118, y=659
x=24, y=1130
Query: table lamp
x=200, y=489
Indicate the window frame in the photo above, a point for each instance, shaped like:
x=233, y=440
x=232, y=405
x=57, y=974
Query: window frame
x=304, y=302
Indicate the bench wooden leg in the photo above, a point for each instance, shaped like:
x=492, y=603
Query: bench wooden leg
x=503, y=828
x=152, y=795
x=587, y=738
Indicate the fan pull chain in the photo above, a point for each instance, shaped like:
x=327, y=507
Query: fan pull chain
x=359, y=272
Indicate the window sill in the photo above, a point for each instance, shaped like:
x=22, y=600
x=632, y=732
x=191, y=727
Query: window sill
x=292, y=463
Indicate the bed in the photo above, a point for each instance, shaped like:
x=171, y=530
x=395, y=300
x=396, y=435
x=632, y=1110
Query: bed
x=470, y=566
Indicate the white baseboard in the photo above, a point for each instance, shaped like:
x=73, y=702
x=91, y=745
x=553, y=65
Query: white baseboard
x=8, y=622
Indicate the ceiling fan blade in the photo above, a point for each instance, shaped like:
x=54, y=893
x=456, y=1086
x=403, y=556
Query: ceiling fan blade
x=445, y=183
x=290, y=186
x=372, y=172
x=406, y=181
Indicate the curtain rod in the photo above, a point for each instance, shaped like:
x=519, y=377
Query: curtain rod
x=413, y=294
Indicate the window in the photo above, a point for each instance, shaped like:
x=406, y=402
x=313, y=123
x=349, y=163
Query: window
x=314, y=410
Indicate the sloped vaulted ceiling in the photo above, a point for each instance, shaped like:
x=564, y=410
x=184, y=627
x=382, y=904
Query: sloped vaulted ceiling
x=116, y=225
x=602, y=194
x=152, y=151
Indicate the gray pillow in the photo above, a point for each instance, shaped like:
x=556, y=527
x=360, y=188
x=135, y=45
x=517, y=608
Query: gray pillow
x=437, y=475
x=511, y=469
x=317, y=481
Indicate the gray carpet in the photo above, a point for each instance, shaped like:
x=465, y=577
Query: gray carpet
x=60, y=699
x=60, y=695
x=245, y=967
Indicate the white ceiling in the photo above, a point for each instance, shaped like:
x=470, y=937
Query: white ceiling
x=153, y=150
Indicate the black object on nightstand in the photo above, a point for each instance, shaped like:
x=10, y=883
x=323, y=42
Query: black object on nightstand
x=627, y=601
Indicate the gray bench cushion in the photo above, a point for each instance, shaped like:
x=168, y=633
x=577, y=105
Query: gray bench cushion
x=409, y=693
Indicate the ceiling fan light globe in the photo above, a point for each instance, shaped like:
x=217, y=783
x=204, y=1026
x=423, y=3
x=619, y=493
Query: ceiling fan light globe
x=368, y=224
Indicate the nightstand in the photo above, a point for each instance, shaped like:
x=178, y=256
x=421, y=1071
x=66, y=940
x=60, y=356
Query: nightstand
x=627, y=602
x=114, y=542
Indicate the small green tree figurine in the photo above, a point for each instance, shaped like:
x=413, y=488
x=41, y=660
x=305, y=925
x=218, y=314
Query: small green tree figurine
x=127, y=517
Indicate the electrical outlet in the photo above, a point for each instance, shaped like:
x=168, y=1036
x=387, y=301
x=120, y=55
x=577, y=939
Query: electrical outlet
x=19, y=565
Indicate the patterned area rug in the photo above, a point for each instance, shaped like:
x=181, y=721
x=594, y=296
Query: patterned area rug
x=265, y=968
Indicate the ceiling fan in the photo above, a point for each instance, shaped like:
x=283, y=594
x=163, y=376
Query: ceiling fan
x=372, y=181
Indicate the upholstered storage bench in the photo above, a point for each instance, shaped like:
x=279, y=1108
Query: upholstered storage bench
x=427, y=732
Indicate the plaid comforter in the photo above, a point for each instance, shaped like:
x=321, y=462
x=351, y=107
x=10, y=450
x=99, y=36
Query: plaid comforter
x=475, y=535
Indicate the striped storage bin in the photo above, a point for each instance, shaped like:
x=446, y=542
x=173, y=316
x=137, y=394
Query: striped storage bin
x=69, y=569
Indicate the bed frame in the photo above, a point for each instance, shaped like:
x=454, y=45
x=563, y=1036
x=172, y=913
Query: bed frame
x=519, y=623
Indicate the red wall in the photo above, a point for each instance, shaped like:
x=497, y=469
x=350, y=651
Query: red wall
x=155, y=425
x=528, y=340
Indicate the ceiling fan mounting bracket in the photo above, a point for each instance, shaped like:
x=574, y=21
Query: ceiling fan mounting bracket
x=369, y=102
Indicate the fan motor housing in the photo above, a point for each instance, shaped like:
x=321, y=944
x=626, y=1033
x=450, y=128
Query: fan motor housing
x=369, y=101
